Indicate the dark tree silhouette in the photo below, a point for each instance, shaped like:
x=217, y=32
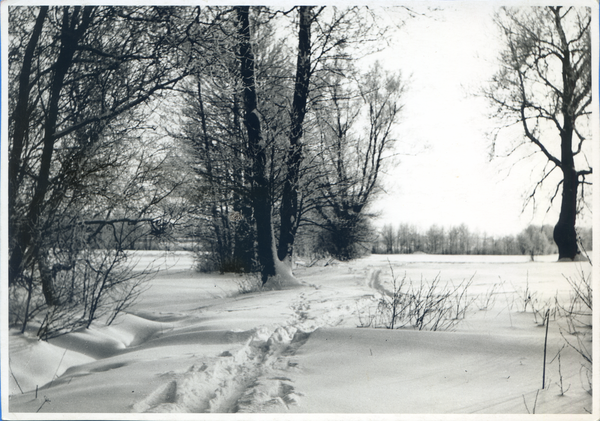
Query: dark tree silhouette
x=261, y=199
x=544, y=87
x=289, y=211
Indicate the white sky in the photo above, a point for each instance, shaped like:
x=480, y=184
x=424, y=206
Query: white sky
x=450, y=55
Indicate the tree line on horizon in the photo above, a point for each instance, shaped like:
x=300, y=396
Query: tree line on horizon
x=459, y=240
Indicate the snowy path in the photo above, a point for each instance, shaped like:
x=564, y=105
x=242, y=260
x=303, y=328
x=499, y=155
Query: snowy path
x=255, y=378
x=243, y=382
x=246, y=381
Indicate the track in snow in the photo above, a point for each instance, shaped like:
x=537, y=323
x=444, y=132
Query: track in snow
x=256, y=378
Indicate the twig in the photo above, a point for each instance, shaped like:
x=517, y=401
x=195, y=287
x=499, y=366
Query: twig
x=13, y=375
x=525, y=403
x=43, y=403
x=507, y=306
x=562, y=389
x=534, y=403
x=57, y=368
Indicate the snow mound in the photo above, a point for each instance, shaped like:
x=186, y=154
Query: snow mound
x=284, y=278
x=105, y=341
x=40, y=362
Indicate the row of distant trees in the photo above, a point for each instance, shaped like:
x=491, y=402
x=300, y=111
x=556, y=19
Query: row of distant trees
x=533, y=240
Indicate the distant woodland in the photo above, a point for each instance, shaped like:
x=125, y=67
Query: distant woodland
x=534, y=240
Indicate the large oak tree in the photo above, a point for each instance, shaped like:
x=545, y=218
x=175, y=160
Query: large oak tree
x=544, y=86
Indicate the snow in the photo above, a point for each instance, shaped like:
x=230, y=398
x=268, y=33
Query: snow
x=194, y=344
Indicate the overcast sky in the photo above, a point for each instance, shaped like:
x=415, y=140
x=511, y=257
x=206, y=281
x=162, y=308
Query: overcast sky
x=449, y=179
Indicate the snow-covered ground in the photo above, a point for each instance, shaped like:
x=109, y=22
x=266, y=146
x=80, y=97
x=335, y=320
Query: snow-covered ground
x=194, y=344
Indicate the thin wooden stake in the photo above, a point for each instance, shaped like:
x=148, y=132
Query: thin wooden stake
x=545, y=345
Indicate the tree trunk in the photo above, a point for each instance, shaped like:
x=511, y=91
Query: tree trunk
x=46, y=278
x=565, y=236
x=261, y=200
x=21, y=117
x=243, y=250
x=70, y=33
x=289, y=211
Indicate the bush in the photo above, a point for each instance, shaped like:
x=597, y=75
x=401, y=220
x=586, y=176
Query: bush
x=578, y=313
x=422, y=306
x=226, y=246
x=249, y=283
x=207, y=262
x=346, y=238
x=100, y=285
x=97, y=284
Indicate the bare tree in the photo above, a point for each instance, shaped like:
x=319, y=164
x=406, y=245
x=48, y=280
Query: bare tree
x=532, y=241
x=435, y=239
x=261, y=199
x=353, y=156
x=81, y=80
x=388, y=236
x=282, y=99
x=544, y=86
x=329, y=41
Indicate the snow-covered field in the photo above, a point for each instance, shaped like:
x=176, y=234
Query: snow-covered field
x=194, y=344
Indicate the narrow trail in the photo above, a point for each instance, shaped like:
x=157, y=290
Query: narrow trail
x=259, y=376
x=243, y=382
